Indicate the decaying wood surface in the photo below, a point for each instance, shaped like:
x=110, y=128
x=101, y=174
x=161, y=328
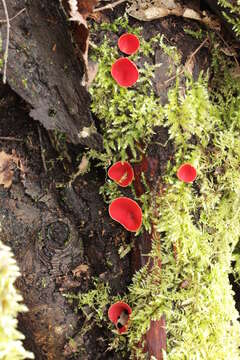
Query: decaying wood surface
x=58, y=245
x=60, y=237
x=44, y=70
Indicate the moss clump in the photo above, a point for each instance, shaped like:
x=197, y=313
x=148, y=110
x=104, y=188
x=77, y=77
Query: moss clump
x=201, y=221
x=127, y=115
x=11, y=347
x=232, y=13
x=110, y=191
x=94, y=302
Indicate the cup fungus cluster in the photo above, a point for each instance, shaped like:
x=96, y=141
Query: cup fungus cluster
x=123, y=209
x=129, y=214
x=124, y=71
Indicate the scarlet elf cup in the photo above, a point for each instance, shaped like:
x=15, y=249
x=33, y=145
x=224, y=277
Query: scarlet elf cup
x=187, y=173
x=124, y=72
x=128, y=43
x=119, y=314
x=127, y=212
x=122, y=173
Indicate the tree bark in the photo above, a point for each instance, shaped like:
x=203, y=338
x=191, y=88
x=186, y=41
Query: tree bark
x=44, y=70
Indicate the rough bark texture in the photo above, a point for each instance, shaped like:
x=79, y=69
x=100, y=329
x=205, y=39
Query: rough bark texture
x=44, y=70
x=52, y=232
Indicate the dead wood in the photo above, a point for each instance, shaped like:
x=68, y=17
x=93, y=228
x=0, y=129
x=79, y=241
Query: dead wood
x=44, y=70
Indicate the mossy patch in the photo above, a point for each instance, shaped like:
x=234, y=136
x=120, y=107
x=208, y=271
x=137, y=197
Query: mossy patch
x=232, y=13
x=202, y=221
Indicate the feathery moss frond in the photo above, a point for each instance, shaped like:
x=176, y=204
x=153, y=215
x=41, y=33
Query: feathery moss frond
x=11, y=347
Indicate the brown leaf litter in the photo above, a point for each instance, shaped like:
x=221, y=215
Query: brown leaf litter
x=7, y=164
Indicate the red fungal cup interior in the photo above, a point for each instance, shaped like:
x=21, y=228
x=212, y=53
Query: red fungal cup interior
x=122, y=330
x=128, y=43
x=124, y=72
x=122, y=173
x=187, y=173
x=127, y=212
x=115, y=312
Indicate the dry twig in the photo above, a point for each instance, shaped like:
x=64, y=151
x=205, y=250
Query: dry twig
x=10, y=138
x=228, y=46
x=7, y=21
x=14, y=17
x=42, y=150
x=7, y=42
x=189, y=60
x=109, y=6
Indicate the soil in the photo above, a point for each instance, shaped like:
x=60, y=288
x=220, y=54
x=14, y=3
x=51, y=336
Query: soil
x=54, y=227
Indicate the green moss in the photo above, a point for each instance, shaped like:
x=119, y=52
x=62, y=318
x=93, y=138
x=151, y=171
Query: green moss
x=118, y=25
x=110, y=191
x=232, y=13
x=127, y=115
x=189, y=115
x=11, y=347
x=95, y=300
x=199, y=34
x=202, y=221
x=204, y=226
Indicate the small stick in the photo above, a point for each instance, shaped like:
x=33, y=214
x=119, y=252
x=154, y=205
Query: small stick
x=21, y=11
x=198, y=48
x=10, y=138
x=42, y=150
x=109, y=6
x=93, y=45
x=190, y=58
x=7, y=42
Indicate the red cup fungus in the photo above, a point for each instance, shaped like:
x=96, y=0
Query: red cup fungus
x=187, y=173
x=124, y=72
x=122, y=173
x=119, y=314
x=128, y=43
x=127, y=212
